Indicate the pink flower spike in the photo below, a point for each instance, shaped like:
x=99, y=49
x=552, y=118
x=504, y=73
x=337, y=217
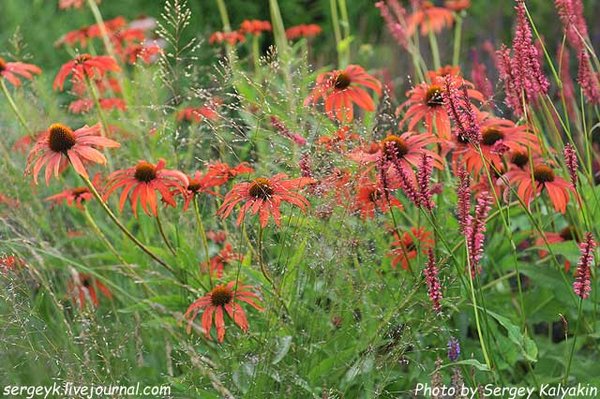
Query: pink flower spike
x=582, y=284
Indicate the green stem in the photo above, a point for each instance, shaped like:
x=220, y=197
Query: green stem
x=124, y=229
x=224, y=16
x=457, y=40
x=14, y=107
x=572, y=351
x=202, y=231
x=98, y=17
x=336, y=30
x=163, y=234
x=435, y=51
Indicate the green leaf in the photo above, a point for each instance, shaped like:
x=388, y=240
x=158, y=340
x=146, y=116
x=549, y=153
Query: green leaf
x=528, y=347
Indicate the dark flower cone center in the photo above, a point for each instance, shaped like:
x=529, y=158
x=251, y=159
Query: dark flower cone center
x=2, y=64
x=411, y=246
x=86, y=282
x=79, y=192
x=261, y=188
x=491, y=136
x=434, y=97
x=145, y=172
x=395, y=145
x=375, y=195
x=61, y=138
x=520, y=159
x=543, y=174
x=567, y=234
x=194, y=185
x=80, y=59
x=221, y=296
x=342, y=81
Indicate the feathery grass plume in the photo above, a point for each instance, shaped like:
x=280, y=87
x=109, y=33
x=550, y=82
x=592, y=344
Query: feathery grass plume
x=571, y=161
x=434, y=288
x=587, y=79
x=475, y=231
x=423, y=182
x=582, y=285
x=394, y=15
x=461, y=111
x=437, y=381
x=463, y=192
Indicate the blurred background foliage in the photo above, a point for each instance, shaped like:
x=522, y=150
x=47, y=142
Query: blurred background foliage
x=39, y=23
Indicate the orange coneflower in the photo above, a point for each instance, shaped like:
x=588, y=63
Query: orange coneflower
x=59, y=145
x=429, y=18
x=219, y=173
x=83, y=287
x=73, y=196
x=426, y=103
x=222, y=299
x=217, y=263
x=255, y=27
x=197, y=184
x=85, y=66
x=340, y=89
x=370, y=196
x=407, y=247
x=532, y=181
x=142, y=182
x=302, y=30
x=498, y=136
x=11, y=71
x=264, y=196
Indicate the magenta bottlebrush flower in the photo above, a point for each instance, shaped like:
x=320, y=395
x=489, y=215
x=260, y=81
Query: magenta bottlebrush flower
x=423, y=179
x=582, y=285
x=475, y=231
x=571, y=161
x=285, y=132
x=434, y=288
x=463, y=192
x=508, y=77
x=394, y=15
x=461, y=111
x=570, y=13
x=587, y=79
x=453, y=349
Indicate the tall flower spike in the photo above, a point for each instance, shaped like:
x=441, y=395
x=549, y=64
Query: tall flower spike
x=570, y=13
x=587, y=79
x=475, y=231
x=423, y=182
x=463, y=192
x=571, y=161
x=453, y=349
x=461, y=111
x=508, y=77
x=394, y=15
x=582, y=285
x=434, y=288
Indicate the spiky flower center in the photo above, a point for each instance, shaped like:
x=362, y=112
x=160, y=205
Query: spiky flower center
x=261, y=188
x=2, y=64
x=80, y=59
x=342, y=81
x=491, y=136
x=145, y=172
x=394, y=145
x=543, y=174
x=61, y=138
x=86, y=282
x=567, y=234
x=221, y=296
x=434, y=97
x=194, y=185
x=519, y=158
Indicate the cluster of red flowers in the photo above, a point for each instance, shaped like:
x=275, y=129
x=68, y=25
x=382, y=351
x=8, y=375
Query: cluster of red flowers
x=256, y=27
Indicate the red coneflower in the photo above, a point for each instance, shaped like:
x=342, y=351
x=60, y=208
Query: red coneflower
x=84, y=105
x=197, y=184
x=73, y=196
x=495, y=133
x=85, y=66
x=255, y=27
x=232, y=38
x=9, y=262
x=218, y=236
x=80, y=36
x=198, y=114
x=531, y=183
x=407, y=247
x=426, y=102
x=457, y=5
x=302, y=30
x=264, y=196
x=217, y=263
x=220, y=173
x=340, y=89
x=582, y=284
x=222, y=299
x=430, y=19
x=142, y=182
x=83, y=287
x=12, y=71
x=59, y=145
x=111, y=26
x=370, y=196
x=337, y=142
